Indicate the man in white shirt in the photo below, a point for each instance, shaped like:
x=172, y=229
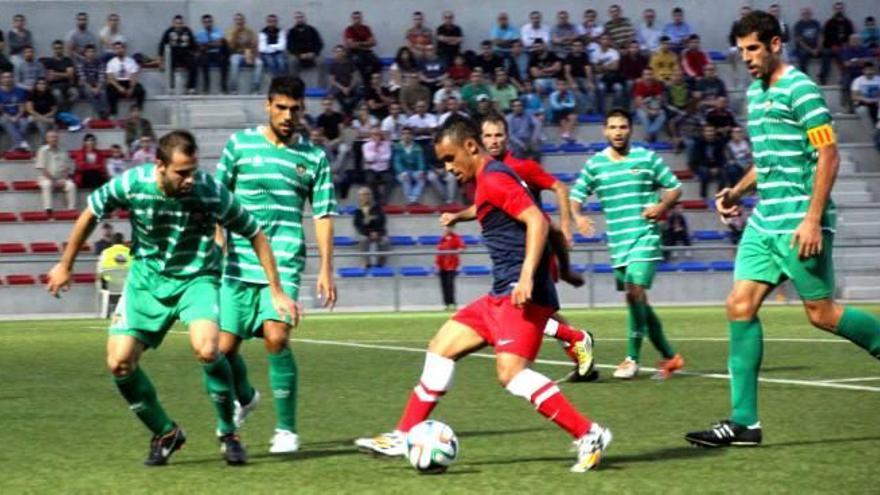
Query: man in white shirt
x=648, y=34
x=865, y=91
x=55, y=170
x=443, y=94
x=606, y=67
x=423, y=124
x=272, y=45
x=534, y=30
x=110, y=35
x=122, y=79
x=394, y=122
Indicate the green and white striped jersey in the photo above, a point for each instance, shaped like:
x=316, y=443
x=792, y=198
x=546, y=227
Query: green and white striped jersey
x=172, y=237
x=273, y=183
x=625, y=188
x=784, y=122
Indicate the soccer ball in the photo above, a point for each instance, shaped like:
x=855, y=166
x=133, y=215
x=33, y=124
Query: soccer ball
x=431, y=446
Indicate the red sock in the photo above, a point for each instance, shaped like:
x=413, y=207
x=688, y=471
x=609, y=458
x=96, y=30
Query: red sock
x=545, y=395
x=568, y=334
x=421, y=402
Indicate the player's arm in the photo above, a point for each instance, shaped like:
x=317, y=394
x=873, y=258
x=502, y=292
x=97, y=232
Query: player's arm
x=565, y=214
x=727, y=200
x=59, y=275
x=667, y=200
x=466, y=215
x=323, y=201
x=537, y=228
x=579, y=194
x=808, y=235
x=284, y=305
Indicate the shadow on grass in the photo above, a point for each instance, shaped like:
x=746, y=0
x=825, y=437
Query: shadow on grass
x=825, y=441
x=261, y=457
x=612, y=461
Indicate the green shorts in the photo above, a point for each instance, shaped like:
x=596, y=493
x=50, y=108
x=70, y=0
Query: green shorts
x=771, y=259
x=245, y=306
x=147, y=318
x=639, y=273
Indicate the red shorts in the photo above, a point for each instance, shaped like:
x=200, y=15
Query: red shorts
x=507, y=328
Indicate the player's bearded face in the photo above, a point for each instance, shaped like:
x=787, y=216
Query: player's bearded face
x=459, y=159
x=284, y=115
x=494, y=139
x=760, y=60
x=178, y=176
x=617, y=131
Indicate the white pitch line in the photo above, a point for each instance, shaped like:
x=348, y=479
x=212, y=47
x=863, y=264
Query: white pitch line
x=844, y=380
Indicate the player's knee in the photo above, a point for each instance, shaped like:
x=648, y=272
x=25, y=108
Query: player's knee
x=635, y=294
x=740, y=308
x=505, y=372
x=119, y=367
x=275, y=343
x=207, y=353
x=822, y=316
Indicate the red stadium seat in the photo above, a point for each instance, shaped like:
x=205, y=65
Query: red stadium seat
x=12, y=248
x=684, y=174
x=34, y=216
x=101, y=124
x=8, y=216
x=65, y=215
x=44, y=247
x=693, y=204
x=21, y=280
x=44, y=278
x=451, y=208
x=83, y=278
x=25, y=185
x=4, y=186
x=394, y=209
x=421, y=209
x=18, y=155
x=122, y=214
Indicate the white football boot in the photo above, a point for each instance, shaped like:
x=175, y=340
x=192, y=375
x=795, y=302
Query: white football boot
x=242, y=411
x=627, y=370
x=392, y=444
x=591, y=447
x=284, y=442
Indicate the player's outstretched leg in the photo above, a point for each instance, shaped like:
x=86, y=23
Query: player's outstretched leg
x=858, y=326
x=247, y=398
x=284, y=381
x=578, y=345
x=672, y=361
x=638, y=321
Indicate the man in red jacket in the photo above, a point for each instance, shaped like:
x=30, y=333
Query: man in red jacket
x=447, y=264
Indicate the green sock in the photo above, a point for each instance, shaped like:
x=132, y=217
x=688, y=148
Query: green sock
x=744, y=362
x=860, y=328
x=637, y=322
x=283, y=380
x=218, y=383
x=244, y=391
x=137, y=389
x=656, y=335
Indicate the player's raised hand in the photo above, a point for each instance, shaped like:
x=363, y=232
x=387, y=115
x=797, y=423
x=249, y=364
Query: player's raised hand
x=448, y=219
x=653, y=212
x=584, y=224
x=286, y=308
x=727, y=204
x=326, y=290
x=808, y=239
x=522, y=292
x=59, y=279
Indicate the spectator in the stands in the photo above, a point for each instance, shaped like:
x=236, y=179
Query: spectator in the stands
x=649, y=33
x=449, y=38
x=487, y=60
x=534, y=30
x=42, y=108
x=343, y=175
x=136, y=127
x=665, y=61
x=117, y=163
x=835, y=36
x=404, y=63
x=378, y=96
x=369, y=222
x=61, y=76
x=807, y=39
x=459, y=72
x=709, y=87
x=409, y=166
x=739, y=155
x=707, y=160
x=854, y=55
x=776, y=11
x=503, y=92
x=733, y=55
x=443, y=94
x=606, y=67
x=649, y=94
x=412, y=92
x=330, y=122
x=29, y=70
x=485, y=107
x=304, y=44
x=145, y=151
x=394, y=122
x=344, y=80
x=423, y=123
x=579, y=73
x=516, y=63
x=503, y=34
x=213, y=52
x=678, y=95
x=447, y=264
x=544, y=67
x=106, y=239
x=182, y=43
x=110, y=35
x=531, y=100
x=91, y=166
x=676, y=233
x=632, y=65
x=865, y=91
x=122, y=79
x=243, y=51
x=620, y=28
x=693, y=59
x=524, y=132
x=80, y=37
x=5, y=64
x=678, y=30
x=377, y=165
x=591, y=28
x=359, y=40
x=418, y=36
x=361, y=127
x=686, y=126
x=432, y=70
x=721, y=117
x=452, y=106
x=563, y=34
x=870, y=34
x=473, y=89
x=92, y=76
x=563, y=103
x=54, y=168
x=272, y=44
x=14, y=118
x=18, y=37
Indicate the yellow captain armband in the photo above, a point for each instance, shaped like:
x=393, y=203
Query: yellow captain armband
x=822, y=136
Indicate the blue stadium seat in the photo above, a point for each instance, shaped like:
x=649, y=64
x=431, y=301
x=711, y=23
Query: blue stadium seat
x=708, y=235
x=475, y=270
x=693, y=266
x=549, y=207
x=549, y=148
x=749, y=201
x=471, y=240
x=316, y=92
x=595, y=206
x=598, y=146
x=346, y=209
x=429, y=240
x=352, y=272
x=386, y=61
x=667, y=267
x=716, y=56
x=592, y=239
x=602, y=268
x=380, y=271
x=721, y=266
x=564, y=177
x=343, y=240
x=415, y=271
x=662, y=146
x=402, y=240
x=590, y=118
x=579, y=268
x=574, y=147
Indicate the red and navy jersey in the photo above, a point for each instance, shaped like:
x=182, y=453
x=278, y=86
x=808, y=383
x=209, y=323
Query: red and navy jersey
x=531, y=172
x=501, y=195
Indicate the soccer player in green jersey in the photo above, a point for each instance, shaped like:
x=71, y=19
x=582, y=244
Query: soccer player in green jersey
x=273, y=173
x=175, y=275
x=790, y=233
x=626, y=180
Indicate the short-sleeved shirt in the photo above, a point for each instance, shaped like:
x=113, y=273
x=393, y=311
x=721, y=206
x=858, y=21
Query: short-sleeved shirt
x=532, y=173
x=58, y=64
x=577, y=63
x=273, y=183
x=500, y=197
x=80, y=39
x=122, y=68
x=446, y=50
x=204, y=37
x=43, y=103
x=786, y=123
x=544, y=61
x=509, y=33
x=869, y=89
x=10, y=100
x=172, y=237
x=808, y=32
x=625, y=188
x=358, y=34
x=331, y=124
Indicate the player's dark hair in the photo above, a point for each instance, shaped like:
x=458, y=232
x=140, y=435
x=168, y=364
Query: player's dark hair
x=764, y=25
x=289, y=86
x=118, y=238
x=178, y=140
x=458, y=128
x=494, y=118
x=678, y=10
x=617, y=112
x=57, y=42
x=90, y=46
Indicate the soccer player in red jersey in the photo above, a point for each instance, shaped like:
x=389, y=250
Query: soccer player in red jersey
x=512, y=316
x=578, y=344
